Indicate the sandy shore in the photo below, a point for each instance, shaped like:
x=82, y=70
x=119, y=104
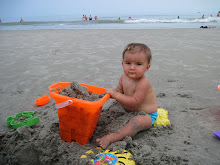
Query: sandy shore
x=185, y=73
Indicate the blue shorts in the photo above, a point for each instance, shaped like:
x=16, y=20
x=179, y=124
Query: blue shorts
x=153, y=116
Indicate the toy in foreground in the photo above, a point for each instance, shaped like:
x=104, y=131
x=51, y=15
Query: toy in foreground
x=22, y=119
x=77, y=118
x=42, y=100
x=217, y=133
x=109, y=157
x=162, y=118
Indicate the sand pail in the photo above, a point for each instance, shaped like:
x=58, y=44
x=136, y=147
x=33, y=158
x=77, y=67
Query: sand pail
x=77, y=118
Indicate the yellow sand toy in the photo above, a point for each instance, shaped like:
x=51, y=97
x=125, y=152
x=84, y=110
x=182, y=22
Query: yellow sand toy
x=162, y=118
x=111, y=157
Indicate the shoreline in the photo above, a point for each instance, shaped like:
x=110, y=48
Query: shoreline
x=107, y=23
x=110, y=29
x=132, y=28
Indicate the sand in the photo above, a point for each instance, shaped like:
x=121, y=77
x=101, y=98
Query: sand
x=184, y=74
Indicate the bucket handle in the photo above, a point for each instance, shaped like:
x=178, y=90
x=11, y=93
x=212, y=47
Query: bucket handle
x=64, y=104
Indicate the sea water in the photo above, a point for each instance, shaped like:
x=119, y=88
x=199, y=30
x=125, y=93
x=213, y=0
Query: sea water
x=135, y=22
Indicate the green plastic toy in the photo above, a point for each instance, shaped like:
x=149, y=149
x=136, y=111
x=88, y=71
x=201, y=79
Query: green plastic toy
x=21, y=119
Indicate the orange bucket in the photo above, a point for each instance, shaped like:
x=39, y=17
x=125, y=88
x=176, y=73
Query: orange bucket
x=77, y=118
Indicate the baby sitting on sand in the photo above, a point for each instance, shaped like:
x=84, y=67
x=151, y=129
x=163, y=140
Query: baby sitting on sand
x=135, y=92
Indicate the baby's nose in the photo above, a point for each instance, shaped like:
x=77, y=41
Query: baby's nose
x=132, y=66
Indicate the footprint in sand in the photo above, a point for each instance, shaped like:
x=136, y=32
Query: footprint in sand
x=172, y=80
x=161, y=95
x=184, y=95
x=196, y=108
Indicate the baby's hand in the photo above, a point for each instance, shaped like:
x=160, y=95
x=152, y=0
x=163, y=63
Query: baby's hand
x=112, y=91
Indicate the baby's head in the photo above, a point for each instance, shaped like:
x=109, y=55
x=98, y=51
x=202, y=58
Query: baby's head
x=138, y=47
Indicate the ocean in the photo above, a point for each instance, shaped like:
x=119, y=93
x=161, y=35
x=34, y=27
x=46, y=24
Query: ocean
x=135, y=22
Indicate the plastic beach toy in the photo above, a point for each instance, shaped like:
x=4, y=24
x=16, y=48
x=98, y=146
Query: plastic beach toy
x=110, y=157
x=219, y=87
x=21, y=119
x=42, y=100
x=217, y=133
x=77, y=118
x=162, y=118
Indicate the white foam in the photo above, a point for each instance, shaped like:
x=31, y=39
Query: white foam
x=197, y=20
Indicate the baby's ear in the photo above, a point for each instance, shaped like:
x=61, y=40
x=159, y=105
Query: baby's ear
x=147, y=68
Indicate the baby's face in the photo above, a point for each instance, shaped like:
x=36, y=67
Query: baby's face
x=135, y=65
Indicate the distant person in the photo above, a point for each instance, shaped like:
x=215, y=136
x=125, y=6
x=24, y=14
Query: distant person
x=21, y=20
x=129, y=18
x=0, y=21
x=90, y=17
x=96, y=17
x=119, y=18
x=178, y=17
x=211, y=15
x=218, y=15
x=203, y=16
x=84, y=18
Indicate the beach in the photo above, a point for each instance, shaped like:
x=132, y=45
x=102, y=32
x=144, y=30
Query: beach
x=184, y=74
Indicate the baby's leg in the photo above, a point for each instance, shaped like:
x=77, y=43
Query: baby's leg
x=135, y=125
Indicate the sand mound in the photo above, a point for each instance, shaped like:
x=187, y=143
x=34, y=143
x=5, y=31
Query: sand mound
x=41, y=143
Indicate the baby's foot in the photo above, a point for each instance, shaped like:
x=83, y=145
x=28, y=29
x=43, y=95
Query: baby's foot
x=103, y=142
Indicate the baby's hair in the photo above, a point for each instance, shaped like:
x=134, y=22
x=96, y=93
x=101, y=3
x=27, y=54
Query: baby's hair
x=138, y=47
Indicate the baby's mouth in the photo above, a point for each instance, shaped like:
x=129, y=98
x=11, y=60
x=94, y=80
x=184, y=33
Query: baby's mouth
x=131, y=72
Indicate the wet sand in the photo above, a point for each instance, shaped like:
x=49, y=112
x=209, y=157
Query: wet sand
x=184, y=74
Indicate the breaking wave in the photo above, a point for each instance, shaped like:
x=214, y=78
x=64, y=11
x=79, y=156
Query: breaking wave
x=206, y=20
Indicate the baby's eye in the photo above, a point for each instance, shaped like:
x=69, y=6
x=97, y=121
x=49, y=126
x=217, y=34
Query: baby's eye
x=128, y=63
x=139, y=64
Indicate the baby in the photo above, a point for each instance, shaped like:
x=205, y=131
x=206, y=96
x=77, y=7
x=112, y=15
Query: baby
x=135, y=92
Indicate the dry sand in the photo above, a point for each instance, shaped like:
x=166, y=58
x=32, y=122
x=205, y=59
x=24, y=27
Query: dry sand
x=184, y=74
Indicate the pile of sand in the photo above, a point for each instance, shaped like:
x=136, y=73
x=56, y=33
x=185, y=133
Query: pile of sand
x=75, y=90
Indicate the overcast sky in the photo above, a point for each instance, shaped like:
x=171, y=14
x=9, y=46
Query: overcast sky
x=35, y=8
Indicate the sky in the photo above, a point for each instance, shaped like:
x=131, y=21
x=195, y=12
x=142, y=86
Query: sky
x=37, y=8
